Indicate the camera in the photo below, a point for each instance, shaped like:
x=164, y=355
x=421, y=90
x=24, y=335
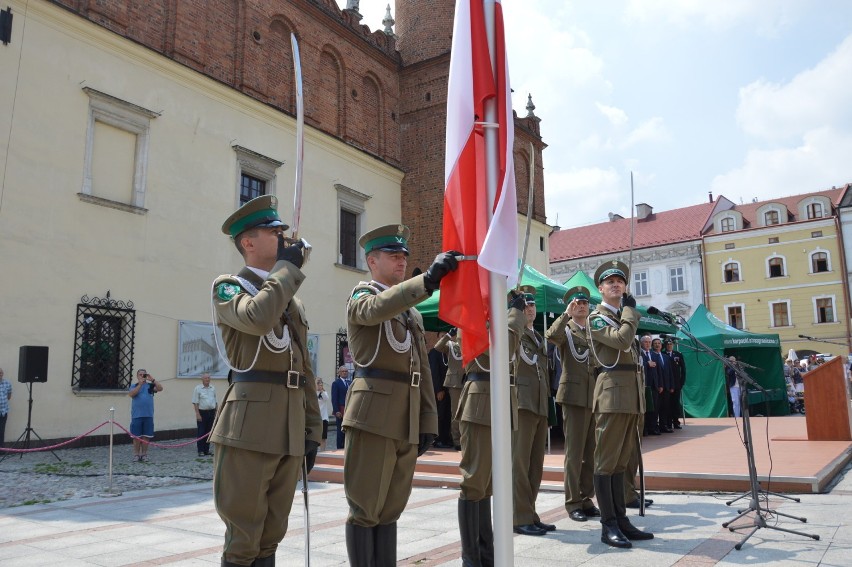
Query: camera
x=152, y=389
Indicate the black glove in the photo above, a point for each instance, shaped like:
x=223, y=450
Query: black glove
x=290, y=252
x=628, y=300
x=426, y=440
x=310, y=453
x=444, y=263
x=519, y=302
x=453, y=331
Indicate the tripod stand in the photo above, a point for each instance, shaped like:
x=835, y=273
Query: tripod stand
x=760, y=512
x=25, y=436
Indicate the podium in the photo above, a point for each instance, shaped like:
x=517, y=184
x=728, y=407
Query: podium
x=827, y=402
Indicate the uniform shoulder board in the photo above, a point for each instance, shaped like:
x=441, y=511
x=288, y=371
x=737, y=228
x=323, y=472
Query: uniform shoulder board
x=363, y=289
x=227, y=289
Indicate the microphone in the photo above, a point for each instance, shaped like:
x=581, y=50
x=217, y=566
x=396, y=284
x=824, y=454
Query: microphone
x=666, y=336
x=670, y=317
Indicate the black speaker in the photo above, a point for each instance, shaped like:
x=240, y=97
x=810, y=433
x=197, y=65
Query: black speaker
x=32, y=364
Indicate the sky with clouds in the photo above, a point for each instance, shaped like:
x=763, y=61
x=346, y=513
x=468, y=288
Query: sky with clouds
x=750, y=99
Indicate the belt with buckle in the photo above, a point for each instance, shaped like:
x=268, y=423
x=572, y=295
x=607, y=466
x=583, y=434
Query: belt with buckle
x=478, y=377
x=291, y=379
x=413, y=379
x=620, y=368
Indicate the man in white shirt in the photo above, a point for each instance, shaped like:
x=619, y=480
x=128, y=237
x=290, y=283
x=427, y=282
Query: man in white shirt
x=204, y=402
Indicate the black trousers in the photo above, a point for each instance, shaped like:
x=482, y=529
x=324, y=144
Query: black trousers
x=3, y=430
x=204, y=427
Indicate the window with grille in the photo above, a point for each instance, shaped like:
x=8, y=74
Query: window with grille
x=815, y=211
x=103, y=349
x=727, y=224
x=732, y=272
x=640, y=283
x=770, y=218
x=780, y=314
x=825, y=310
x=776, y=267
x=735, y=316
x=348, y=238
x=676, y=279
x=819, y=262
x=250, y=188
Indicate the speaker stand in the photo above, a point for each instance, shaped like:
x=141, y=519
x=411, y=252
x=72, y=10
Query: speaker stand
x=24, y=439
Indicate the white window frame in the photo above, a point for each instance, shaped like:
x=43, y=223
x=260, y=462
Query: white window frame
x=127, y=117
x=823, y=202
x=772, y=322
x=355, y=202
x=727, y=313
x=723, y=219
x=257, y=165
x=811, y=260
x=739, y=271
x=768, y=212
x=646, y=282
x=786, y=267
x=669, y=269
x=833, y=309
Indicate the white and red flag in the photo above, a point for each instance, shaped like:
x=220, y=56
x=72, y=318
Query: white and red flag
x=468, y=226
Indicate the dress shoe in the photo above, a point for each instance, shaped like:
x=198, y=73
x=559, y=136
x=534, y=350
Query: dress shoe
x=592, y=512
x=667, y=430
x=578, y=515
x=545, y=527
x=654, y=433
x=678, y=427
x=635, y=503
x=528, y=529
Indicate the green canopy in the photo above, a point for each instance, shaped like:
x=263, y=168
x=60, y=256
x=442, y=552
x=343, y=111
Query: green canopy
x=548, y=299
x=647, y=323
x=704, y=393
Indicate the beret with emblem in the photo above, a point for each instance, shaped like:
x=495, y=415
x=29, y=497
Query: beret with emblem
x=260, y=212
x=578, y=292
x=388, y=238
x=611, y=268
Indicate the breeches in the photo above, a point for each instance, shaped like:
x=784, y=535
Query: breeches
x=377, y=475
x=615, y=441
x=528, y=443
x=253, y=493
x=475, y=464
x=579, y=428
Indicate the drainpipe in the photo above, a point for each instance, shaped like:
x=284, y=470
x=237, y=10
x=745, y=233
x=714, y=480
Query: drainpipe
x=837, y=227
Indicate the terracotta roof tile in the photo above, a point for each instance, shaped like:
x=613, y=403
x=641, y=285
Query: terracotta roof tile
x=749, y=210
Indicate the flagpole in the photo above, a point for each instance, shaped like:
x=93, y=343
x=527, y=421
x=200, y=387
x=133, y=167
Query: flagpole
x=501, y=431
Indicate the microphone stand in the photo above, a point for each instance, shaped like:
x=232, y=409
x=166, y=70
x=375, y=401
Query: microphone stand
x=760, y=512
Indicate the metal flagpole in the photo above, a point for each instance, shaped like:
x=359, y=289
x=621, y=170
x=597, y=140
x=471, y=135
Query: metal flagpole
x=501, y=432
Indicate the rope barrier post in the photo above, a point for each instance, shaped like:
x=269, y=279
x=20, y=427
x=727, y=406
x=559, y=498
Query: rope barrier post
x=110, y=491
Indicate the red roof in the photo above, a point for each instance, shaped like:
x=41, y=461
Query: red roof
x=666, y=227
x=749, y=210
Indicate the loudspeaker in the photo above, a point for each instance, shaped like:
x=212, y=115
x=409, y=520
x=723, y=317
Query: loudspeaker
x=32, y=364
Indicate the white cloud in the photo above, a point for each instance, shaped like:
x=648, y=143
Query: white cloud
x=768, y=18
x=585, y=196
x=819, y=162
x=815, y=97
x=616, y=116
x=653, y=131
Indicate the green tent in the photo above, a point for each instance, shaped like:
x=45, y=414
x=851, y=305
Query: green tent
x=704, y=393
x=647, y=323
x=548, y=299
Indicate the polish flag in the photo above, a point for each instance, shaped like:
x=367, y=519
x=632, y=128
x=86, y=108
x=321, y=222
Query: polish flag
x=468, y=229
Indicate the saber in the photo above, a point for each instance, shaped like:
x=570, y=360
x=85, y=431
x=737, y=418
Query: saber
x=529, y=216
x=300, y=137
x=638, y=433
x=307, y=516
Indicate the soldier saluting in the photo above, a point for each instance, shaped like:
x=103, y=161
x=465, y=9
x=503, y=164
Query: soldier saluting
x=270, y=418
x=619, y=399
x=390, y=417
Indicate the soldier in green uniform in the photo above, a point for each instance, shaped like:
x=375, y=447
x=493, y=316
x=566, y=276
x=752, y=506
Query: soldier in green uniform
x=529, y=439
x=450, y=345
x=576, y=397
x=270, y=419
x=619, y=399
x=474, y=415
x=390, y=417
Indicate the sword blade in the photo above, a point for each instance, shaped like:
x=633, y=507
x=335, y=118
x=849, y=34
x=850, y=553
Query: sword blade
x=300, y=136
x=529, y=213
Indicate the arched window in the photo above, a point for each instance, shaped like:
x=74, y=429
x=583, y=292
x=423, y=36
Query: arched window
x=770, y=218
x=727, y=224
x=732, y=272
x=819, y=262
x=815, y=211
x=776, y=267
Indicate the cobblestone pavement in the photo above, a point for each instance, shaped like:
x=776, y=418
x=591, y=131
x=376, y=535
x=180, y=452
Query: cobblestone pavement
x=82, y=473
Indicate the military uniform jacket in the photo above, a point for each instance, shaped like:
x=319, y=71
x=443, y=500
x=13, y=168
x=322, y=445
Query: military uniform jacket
x=577, y=382
x=389, y=407
x=680, y=369
x=452, y=349
x=257, y=416
x=531, y=376
x=475, y=401
x=621, y=388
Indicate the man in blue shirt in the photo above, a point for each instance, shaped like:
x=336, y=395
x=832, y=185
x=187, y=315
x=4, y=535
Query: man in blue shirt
x=142, y=412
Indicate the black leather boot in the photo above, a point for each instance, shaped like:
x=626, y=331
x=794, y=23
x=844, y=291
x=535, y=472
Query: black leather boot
x=385, y=545
x=268, y=561
x=360, y=546
x=469, y=531
x=630, y=531
x=486, y=533
x=229, y=564
x=610, y=534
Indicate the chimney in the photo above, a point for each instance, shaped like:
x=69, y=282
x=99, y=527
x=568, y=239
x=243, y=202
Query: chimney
x=615, y=217
x=643, y=211
x=711, y=195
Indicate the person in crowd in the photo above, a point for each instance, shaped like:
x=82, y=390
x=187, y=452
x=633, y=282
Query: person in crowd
x=204, y=403
x=650, y=425
x=338, y=402
x=665, y=386
x=450, y=345
x=142, y=412
x=5, y=398
x=438, y=367
x=324, y=403
x=680, y=381
x=733, y=387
